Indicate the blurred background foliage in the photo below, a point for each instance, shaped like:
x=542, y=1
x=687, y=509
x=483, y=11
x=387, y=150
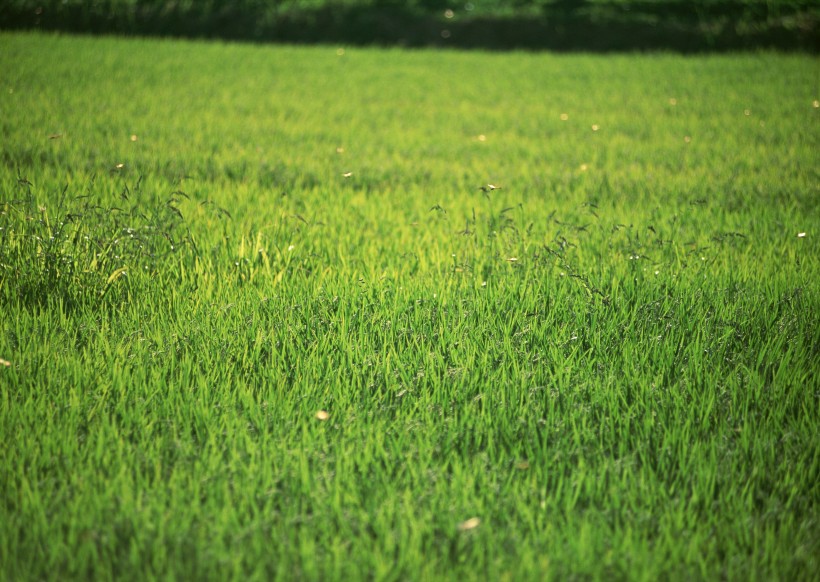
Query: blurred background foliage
x=588, y=25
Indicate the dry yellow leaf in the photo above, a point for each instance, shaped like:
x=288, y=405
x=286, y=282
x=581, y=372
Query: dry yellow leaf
x=469, y=524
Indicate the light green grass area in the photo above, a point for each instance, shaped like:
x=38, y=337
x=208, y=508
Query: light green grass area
x=606, y=369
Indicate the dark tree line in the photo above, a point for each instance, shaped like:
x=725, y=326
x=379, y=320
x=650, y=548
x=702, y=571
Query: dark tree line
x=593, y=25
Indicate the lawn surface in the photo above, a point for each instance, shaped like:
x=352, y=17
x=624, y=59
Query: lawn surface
x=258, y=321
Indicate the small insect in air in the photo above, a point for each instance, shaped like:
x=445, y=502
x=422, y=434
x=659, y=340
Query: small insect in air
x=489, y=188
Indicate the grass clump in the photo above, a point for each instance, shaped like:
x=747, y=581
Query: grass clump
x=77, y=256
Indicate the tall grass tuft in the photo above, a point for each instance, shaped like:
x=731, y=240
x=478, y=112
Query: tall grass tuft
x=79, y=252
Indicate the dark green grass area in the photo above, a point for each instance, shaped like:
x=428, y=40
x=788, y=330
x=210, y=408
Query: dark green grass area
x=260, y=322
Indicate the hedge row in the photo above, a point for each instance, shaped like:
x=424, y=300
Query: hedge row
x=592, y=25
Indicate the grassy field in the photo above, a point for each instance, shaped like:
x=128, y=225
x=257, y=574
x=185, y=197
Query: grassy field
x=260, y=322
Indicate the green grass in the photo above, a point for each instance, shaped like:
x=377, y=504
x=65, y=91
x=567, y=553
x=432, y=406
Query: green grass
x=611, y=361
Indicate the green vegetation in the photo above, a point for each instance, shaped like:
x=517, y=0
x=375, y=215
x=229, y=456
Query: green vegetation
x=259, y=321
x=588, y=25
